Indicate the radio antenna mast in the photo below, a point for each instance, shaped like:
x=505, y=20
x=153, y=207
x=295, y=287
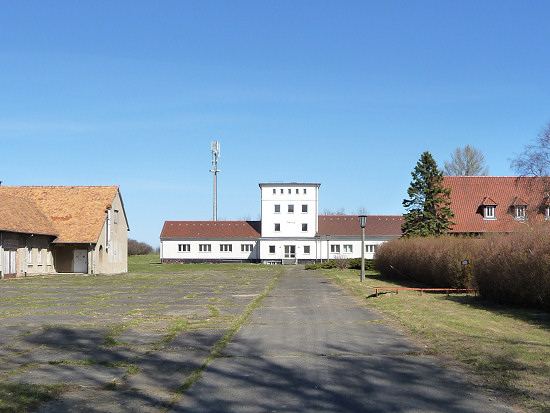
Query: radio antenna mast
x=215, y=145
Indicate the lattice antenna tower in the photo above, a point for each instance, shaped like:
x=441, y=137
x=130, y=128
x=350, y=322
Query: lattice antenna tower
x=215, y=146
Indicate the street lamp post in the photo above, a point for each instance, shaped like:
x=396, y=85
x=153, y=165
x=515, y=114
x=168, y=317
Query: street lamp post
x=363, y=223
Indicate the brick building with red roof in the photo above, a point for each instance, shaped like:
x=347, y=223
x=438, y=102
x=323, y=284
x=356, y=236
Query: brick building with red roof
x=484, y=204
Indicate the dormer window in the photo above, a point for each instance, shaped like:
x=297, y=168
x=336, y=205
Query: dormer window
x=489, y=212
x=519, y=212
x=519, y=207
x=488, y=208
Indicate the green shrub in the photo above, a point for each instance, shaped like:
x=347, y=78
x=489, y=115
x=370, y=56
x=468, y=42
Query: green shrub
x=325, y=265
x=355, y=264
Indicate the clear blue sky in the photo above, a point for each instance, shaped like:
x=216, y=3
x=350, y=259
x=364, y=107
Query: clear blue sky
x=344, y=93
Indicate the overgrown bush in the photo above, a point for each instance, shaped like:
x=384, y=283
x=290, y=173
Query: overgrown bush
x=516, y=268
x=510, y=268
x=435, y=261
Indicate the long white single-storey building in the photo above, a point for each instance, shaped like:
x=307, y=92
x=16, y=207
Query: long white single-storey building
x=290, y=231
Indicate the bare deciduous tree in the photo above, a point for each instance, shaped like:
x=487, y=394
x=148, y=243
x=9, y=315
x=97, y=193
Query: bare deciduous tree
x=466, y=161
x=535, y=159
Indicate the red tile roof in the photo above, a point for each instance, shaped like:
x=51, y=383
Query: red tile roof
x=21, y=215
x=211, y=229
x=77, y=213
x=470, y=193
x=377, y=225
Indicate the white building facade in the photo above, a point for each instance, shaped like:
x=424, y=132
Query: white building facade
x=290, y=231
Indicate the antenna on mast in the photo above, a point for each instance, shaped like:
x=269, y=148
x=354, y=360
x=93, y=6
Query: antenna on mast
x=215, y=146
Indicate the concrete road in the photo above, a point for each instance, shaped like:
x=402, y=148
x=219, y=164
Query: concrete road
x=314, y=348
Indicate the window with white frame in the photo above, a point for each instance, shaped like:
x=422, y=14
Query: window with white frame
x=489, y=212
x=297, y=191
x=305, y=191
x=226, y=247
x=247, y=247
x=290, y=208
x=335, y=249
x=348, y=248
x=277, y=208
x=29, y=256
x=205, y=247
x=272, y=249
x=282, y=191
x=304, y=208
x=274, y=191
x=370, y=248
x=184, y=247
x=304, y=227
x=307, y=249
x=277, y=227
x=520, y=211
x=289, y=191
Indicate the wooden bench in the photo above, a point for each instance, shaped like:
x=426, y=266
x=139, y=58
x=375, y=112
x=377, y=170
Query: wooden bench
x=447, y=290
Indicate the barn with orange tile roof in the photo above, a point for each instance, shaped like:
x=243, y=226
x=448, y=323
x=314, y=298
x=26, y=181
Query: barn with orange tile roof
x=484, y=204
x=87, y=226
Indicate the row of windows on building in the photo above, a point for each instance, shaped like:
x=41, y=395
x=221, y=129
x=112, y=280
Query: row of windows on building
x=519, y=212
x=289, y=191
x=278, y=227
x=41, y=256
x=334, y=248
x=290, y=208
x=208, y=247
x=348, y=248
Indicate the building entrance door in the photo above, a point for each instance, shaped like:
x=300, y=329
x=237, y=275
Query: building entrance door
x=290, y=251
x=80, y=261
x=10, y=263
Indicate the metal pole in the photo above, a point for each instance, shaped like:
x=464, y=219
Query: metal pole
x=215, y=209
x=362, y=254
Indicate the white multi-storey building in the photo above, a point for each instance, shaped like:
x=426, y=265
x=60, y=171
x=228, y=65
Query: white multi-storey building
x=290, y=231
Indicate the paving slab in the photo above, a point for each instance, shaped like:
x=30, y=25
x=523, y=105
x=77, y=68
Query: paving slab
x=315, y=339
x=333, y=384
x=164, y=371
x=98, y=355
x=309, y=301
x=198, y=339
x=102, y=401
x=91, y=375
x=140, y=336
x=317, y=314
x=66, y=336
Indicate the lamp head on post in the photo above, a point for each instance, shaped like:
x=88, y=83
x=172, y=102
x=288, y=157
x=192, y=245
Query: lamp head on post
x=362, y=220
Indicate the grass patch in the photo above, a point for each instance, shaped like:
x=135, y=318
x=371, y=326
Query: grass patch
x=505, y=349
x=21, y=397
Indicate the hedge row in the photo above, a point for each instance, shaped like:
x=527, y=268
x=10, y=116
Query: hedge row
x=342, y=263
x=512, y=268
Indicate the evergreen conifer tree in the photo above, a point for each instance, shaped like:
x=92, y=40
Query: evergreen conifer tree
x=428, y=205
